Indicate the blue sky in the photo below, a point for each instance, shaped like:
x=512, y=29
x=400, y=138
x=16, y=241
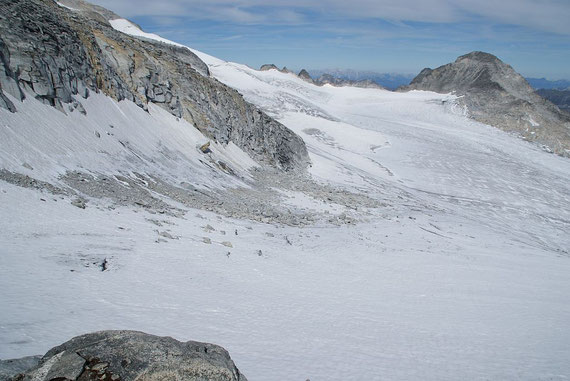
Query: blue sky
x=378, y=35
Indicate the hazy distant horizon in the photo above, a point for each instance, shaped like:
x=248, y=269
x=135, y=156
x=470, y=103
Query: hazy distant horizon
x=400, y=79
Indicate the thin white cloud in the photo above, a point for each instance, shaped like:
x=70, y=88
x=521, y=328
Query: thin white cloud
x=543, y=15
x=231, y=38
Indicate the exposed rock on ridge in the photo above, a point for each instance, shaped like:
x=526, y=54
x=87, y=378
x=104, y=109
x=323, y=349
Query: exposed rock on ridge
x=325, y=79
x=131, y=355
x=60, y=56
x=496, y=94
x=304, y=74
x=268, y=67
x=328, y=79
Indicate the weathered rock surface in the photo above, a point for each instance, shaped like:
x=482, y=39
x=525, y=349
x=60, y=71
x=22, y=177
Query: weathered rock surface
x=60, y=55
x=496, y=94
x=131, y=355
x=10, y=368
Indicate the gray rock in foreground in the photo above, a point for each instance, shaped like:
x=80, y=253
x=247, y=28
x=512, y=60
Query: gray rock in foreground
x=131, y=355
x=10, y=368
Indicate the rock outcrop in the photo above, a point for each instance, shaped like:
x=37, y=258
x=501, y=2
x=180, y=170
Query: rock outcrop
x=304, y=75
x=60, y=55
x=325, y=79
x=495, y=94
x=11, y=368
x=328, y=79
x=131, y=355
x=268, y=67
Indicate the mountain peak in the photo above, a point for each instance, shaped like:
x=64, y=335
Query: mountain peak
x=268, y=67
x=479, y=57
x=495, y=94
x=304, y=74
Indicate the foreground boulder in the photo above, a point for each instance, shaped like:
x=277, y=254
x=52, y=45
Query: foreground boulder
x=9, y=368
x=131, y=355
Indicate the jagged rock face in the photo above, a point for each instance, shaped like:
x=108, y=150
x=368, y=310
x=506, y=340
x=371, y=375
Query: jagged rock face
x=496, y=94
x=304, y=75
x=129, y=356
x=59, y=56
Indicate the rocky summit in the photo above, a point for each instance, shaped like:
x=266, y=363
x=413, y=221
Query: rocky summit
x=304, y=75
x=129, y=356
x=495, y=94
x=60, y=56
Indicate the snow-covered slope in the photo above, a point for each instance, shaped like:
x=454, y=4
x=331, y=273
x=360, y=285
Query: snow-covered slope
x=112, y=137
x=447, y=257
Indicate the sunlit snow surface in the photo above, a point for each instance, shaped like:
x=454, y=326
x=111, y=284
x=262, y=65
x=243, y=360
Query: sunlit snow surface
x=463, y=275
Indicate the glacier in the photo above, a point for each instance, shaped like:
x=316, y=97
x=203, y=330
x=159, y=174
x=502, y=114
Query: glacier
x=459, y=272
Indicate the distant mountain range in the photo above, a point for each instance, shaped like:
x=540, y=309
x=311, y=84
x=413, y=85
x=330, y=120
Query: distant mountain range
x=392, y=81
x=557, y=92
x=543, y=83
x=560, y=98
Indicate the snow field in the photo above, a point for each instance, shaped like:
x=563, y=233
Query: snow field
x=462, y=274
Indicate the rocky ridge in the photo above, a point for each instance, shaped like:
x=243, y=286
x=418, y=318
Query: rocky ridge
x=389, y=81
x=495, y=94
x=126, y=356
x=60, y=55
x=328, y=79
x=325, y=79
